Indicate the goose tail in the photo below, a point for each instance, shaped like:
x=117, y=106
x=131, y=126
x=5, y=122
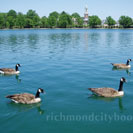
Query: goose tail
x=91, y=89
x=9, y=96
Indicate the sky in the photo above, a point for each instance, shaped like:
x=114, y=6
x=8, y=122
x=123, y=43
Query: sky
x=101, y=8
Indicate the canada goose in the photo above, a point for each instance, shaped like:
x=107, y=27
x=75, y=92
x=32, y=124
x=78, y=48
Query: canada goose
x=122, y=66
x=109, y=92
x=26, y=98
x=10, y=70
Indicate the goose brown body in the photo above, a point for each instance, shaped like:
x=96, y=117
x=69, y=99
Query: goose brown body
x=10, y=70
x=122, y=66
x=105, y=92
x=26, y=98
x=109, y=92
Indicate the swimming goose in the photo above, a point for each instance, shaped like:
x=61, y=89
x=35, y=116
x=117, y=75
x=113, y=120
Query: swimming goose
x=10, y=70
x=122, y=66
x=109, y=92
x=26, y=98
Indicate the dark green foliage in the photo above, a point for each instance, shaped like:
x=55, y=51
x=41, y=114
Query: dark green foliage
x=94, y=21
x=3, y=20
x=65, y=20
x=110, y=21
x=11, y=18
x=20, y=20
x=54, y=14
x=53, y=19
x=77, y=20
x=31, y=19
x=11, y=21
x=44, y=22
x=125, y=21
x=12, y=13
x=28, y=23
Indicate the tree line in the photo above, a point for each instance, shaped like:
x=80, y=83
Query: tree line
x=31, y=19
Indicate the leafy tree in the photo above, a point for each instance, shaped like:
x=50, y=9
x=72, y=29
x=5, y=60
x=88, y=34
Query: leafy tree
x=125, y=21
x=7, y=25
x=94, y=21
x=65, y=20
x=75, y=15
x=110, y=21
x=31, y=13
x=11, y=18
x=2, y=20
x=11, y=21
x=28, y=23
x=32, y=19
x=20, y=21
x=12, y=13
x=44, y=22
x=52, y=21
x=36, y=21
x=77, y=20
x=55, y=14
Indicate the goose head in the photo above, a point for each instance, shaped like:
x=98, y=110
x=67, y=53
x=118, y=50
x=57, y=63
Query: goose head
x=123, y=80
x=128, y=61
x=40, y=90
x=16, y=67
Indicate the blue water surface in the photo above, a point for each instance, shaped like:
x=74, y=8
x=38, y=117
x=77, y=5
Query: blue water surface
x=65, y=62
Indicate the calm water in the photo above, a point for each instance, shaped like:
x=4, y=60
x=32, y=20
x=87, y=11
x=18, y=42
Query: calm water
x=65, y=63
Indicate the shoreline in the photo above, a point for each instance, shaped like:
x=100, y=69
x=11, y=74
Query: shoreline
x=67, y=28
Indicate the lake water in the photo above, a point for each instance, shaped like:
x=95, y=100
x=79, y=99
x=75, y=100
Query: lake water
x=65, y=63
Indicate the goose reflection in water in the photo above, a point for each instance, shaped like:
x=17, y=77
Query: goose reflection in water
x=27, y=107
x=108, y=99
x=119, y=69
x=16, y=77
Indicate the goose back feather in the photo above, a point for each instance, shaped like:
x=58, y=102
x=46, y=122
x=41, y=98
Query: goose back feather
x=10, y=70
x=105, y=92
x=109, y=92
x=122, y=66
x=26, y=98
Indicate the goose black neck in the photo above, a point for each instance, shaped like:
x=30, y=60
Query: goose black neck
x=127, y=62
x=16, y=68
x=121, y=86
x=37, y=94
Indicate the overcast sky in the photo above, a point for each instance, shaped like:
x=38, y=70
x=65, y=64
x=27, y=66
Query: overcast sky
x=102, y=8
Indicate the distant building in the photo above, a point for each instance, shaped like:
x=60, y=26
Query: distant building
x=104, y=24
x=74, y=21
x=117, y=25
x=86, y=16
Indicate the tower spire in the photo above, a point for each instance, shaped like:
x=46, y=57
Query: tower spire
x=86, y=16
